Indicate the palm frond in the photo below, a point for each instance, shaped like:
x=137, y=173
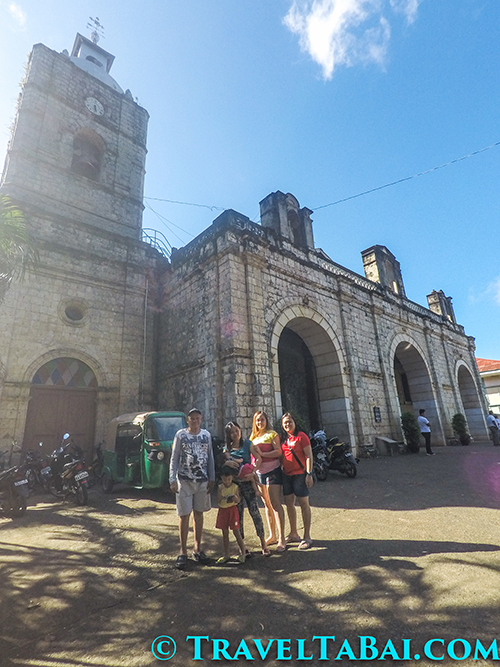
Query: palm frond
x=18, y=252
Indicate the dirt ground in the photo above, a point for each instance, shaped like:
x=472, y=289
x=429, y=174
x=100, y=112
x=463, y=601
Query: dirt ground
x=409, y=550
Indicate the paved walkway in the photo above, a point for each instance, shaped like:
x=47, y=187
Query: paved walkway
x=410, y=549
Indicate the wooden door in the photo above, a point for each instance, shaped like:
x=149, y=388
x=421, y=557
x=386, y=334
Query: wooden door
x=53, y=411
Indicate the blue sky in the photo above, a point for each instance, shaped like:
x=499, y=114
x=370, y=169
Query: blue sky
x=322, y=99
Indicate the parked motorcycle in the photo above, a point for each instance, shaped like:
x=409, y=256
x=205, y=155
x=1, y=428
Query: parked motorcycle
x=13, y=491
x=95, y=468
x=38, y=471
x=7, y=454
x=320, y=458
x=331, y=455
x=69, y=477
x=341, y=458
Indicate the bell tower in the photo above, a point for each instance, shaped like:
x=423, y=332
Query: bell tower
x=78, y=148
x=76, y=341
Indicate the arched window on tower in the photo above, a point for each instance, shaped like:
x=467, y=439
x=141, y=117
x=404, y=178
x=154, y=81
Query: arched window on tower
x=93, y=60
x=88, y=149
x=296, y=228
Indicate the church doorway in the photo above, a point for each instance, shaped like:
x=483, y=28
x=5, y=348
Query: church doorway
x=62, y=399
x=470, y=400
x=309, y=380
x=299, y=385
x=413, y=382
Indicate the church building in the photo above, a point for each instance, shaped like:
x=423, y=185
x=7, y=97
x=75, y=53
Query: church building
x=247, y=316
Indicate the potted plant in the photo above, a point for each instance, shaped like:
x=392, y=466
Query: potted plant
x=459, y=426
x=411, y=431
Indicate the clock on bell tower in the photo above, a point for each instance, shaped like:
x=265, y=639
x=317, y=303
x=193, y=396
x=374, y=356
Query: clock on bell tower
x=80, y=142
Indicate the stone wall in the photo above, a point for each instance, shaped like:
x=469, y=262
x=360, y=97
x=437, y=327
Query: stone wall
x=88, y=236
x=107, y=276
x=231, y=292
x=38, y=166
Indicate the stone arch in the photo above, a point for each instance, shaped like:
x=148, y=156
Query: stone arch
x=412, y=380
x=326, y=352
x=471, y=400
x=88, y=151
x=66, y=352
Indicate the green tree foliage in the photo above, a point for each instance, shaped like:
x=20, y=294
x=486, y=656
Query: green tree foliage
x=411, y=431
x=459, y=426
x=17, y=250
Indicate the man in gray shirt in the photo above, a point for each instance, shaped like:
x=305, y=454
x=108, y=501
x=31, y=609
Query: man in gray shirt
x=192, y=477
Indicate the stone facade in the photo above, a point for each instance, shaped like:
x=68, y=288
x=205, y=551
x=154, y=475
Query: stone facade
x=232, y=292
x=245, y=317
x=93, y=297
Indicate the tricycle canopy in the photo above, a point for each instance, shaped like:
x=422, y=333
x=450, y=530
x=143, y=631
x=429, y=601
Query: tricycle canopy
x=160, y=427
x=137, y=449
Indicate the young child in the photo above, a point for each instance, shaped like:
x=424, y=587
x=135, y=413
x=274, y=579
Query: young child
x=247, y=474
x=228, y=517
x=246, y=471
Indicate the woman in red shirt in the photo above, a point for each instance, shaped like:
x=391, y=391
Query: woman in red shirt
x=297, y=466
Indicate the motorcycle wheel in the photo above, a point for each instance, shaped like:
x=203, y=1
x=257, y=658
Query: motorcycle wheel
x=106, y=483
x=30, y=476
x=351, y=469
x=54, y=491
x=15, y=506
x=81, y=493
x=321, y=472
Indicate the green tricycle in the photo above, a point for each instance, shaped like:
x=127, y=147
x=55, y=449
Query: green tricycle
x=137, y=449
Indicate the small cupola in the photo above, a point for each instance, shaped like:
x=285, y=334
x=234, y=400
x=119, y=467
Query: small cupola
x=87, y=55
x=382, y=267
x=283, y=214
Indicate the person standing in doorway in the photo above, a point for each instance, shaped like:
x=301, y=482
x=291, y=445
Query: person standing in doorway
x=192, y=477
x=425, y=430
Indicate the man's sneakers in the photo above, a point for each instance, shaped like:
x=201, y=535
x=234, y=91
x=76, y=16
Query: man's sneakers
x=430, y=454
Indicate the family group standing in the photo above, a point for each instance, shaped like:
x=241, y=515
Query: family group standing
x=264, y=466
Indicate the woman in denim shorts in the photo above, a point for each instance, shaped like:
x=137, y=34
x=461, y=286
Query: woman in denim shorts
x=270, y=477
x=297, y=465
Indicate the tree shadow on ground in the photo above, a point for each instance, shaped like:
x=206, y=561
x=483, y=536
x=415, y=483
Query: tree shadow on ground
x=97, y=585
x=109, y=592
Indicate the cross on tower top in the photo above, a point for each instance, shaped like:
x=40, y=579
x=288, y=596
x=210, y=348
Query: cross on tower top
x=97, y=29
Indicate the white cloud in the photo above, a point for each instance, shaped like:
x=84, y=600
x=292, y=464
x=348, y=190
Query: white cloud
x=345, y=32
x=490, y=293
x=494, y=290
x=407, y=7
x=17, y=13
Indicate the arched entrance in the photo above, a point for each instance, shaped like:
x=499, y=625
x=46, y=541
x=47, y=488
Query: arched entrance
x=307, y=373
x=62, y=399
x=413, y=383
x=471, y=402
x=299, y=384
